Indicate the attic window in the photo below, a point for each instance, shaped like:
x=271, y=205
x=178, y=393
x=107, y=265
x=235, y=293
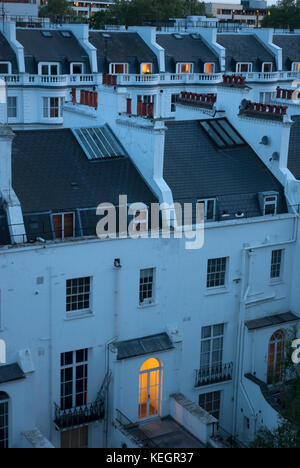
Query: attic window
x=98, y=142
x=65, y=33
x=270, y=204
x=46, y=33
x=222, y=133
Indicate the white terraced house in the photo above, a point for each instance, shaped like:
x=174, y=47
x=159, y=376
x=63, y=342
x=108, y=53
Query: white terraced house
x=120, y=341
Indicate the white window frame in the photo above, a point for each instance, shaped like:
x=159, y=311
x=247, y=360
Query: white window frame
x=250, y=67
x=15, y=117
x=49, y=65
x=213, y=67
x=8, y=67
x=211, y=348
x=112, y=68
x=296, y=67
x=76, y=64
x=63, y=224
x=275, y=279
x=6, y=402
x=150, y=300
x=205, y=201
x=263, y=66
x=48, y=108
x=213, y=393
x=146, y=63
x=179, y=64
x=84, y=311
x=273, y=200
x=220, y=286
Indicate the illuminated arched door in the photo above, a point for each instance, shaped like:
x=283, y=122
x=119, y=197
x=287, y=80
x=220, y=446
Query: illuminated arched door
x=149, y=388
x=276, y=356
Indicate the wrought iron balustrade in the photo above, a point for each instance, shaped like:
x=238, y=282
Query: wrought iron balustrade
x=214, y=374
x=80, y=415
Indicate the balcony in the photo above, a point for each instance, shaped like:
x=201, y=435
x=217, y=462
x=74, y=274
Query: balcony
x=161, y=79
x=271, y=77
x=55, y=81
x=214, y=374
x=73, y=417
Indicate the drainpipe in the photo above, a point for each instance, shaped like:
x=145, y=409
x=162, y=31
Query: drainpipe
x=117, y=268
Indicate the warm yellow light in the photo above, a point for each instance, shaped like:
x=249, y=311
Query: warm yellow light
x=208, y=68
x=151, y=363
x=146, y=68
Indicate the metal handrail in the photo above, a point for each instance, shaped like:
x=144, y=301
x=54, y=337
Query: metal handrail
x=213, y=374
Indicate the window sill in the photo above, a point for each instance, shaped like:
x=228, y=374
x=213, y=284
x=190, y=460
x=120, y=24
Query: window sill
x=276, y=282
x=79, y=315
x=213, y=291
x=145, y=306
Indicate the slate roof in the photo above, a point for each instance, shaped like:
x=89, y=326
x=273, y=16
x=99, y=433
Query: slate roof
x=194, y=168
x=57, y=48
x=51, y=173
x=290, y=45
x=122, y=48
x=186, y=49
x=10, y=372
x=245, y=48
x=145, y=345
x=271, y=320
x=294, y=148
x=7, y=54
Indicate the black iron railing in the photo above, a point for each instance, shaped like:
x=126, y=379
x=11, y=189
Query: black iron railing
x=80, y=415
x=133, y=431
x=214, y=374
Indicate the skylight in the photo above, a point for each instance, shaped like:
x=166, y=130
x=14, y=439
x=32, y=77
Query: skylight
x=46, y=33
x=65, y=33
x=98, y=142
x=106, y=35
x=178, y=36
x=222, y=133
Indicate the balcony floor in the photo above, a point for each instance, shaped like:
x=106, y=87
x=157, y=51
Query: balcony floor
x=167, y=433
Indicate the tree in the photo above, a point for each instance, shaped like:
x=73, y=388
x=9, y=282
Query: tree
x=56, y=8
x=136, y=12
x=284, y=15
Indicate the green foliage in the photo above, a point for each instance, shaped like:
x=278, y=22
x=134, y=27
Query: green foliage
x=284, y=15
x=285, y=436
x=135, y=12
x=56, y=8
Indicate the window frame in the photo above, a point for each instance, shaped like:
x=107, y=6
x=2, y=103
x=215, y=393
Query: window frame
x=293, y=68
x=263, y=66
x=63, y=224
x=76, y=64
x=49, y=65
x=9, y=67
x=277, y=265
x=152, y=300
x=269, y=203
x=113, y=65
x=239, y=64
x=180, y=64
x=151, y=68
x=75, y=379
x=213, y=65
x=5, y=402
x=211, y=339
x=74, y=313
x=205, y=201
x=68, y=434
x=220, y=286
x=14, y=117
x=48, y=107
x=219, y=392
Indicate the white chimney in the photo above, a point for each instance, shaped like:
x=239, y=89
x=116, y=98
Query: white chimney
x=9, y=198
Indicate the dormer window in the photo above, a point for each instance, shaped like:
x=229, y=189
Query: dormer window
x=146, y=68
x=296, y=66
x=209, y=208
x=209, y=68
x=48, y=68
x=244, y=67
x=63, y=224
x=5, y=68
x=118, y=68
x=76, y=69
x=269, y=203
x=185, y=68
x=267, y=67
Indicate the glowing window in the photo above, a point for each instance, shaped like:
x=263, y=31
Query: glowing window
x=185, y=67
x=296, y=66
x=146, y=68
x=149, y=388
x=209, y=68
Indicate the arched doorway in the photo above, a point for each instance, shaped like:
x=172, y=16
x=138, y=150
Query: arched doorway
x=4, y=399
x=276, y=356
x=149, y=388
